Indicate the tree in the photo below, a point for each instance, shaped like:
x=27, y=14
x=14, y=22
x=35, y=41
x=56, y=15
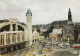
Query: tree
x=38, y=30
x=49, y=30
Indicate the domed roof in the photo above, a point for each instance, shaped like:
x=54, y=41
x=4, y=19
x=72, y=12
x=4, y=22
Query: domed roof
x=28, y=11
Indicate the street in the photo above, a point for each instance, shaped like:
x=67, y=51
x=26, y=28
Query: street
x=63, y=53
x=57, y=51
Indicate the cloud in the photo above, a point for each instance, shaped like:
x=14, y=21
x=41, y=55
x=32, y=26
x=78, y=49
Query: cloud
x=42, y=10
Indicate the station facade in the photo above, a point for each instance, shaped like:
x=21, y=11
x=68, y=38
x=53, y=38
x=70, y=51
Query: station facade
x=11, y=35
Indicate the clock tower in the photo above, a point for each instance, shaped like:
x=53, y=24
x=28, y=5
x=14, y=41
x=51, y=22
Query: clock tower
x=29, y=25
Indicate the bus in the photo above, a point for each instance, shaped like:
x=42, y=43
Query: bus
x=76, y=46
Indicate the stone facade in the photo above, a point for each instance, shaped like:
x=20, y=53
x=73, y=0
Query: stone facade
x=77, y=31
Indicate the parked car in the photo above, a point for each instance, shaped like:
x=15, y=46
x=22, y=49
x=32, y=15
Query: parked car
x=76, y=47
x=67, y=44
x=41, y=41
x=57, y=42
x=54, y=43
x=49, y=42
x=1, y=52
x=61, y=45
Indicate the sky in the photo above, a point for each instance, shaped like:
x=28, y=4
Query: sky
x=43, y=11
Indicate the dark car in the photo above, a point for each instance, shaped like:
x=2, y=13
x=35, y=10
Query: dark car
x=1, y=51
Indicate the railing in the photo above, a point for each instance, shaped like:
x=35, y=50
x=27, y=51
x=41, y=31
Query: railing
x=12, y=37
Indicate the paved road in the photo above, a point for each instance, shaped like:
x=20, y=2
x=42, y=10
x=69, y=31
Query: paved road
x=23, y=52
x=57, y=52
x=63, y=53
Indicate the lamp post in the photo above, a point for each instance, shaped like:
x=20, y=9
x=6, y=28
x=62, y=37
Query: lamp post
x=68, y=36
x=68, y=39
x=52, y=44
x=47, y=37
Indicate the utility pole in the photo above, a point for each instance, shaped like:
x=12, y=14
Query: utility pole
x=47, y=37
x=52, y=44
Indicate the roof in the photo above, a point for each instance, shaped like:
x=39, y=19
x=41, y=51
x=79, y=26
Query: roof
x=60, y=22
x=28, y=11
x=2, y=21
x=33, y=31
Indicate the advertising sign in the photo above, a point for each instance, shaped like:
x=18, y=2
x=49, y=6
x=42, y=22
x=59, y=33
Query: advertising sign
x=57, y=31
x=53, y=35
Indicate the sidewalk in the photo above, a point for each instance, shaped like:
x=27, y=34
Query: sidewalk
x=19, y=51
x=22, y=52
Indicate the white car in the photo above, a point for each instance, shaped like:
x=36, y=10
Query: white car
x=67, y=44
x=49, y=42
x=60, y=44
x=57, y=42
x=63, y=46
